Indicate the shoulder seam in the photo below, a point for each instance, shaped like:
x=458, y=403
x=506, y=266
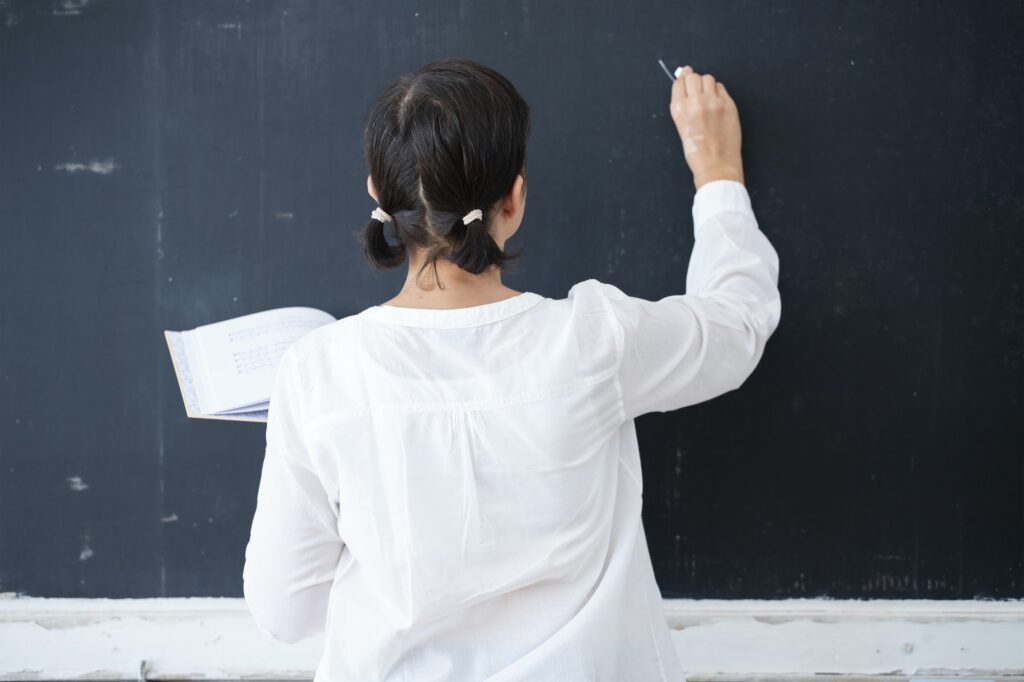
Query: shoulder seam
x=619, y=332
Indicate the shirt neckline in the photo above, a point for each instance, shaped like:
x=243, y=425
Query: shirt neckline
x=471, y=316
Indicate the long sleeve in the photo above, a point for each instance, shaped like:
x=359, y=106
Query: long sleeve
x=687, y=348
x=294, y=546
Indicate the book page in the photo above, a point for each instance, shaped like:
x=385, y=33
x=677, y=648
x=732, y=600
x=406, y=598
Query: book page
x=238, y=358
x=264, y=406
x=183, y=372
x=259, y=416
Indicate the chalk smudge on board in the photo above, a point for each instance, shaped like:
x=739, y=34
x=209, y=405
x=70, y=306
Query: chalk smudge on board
x=86, y=551
x=105, y=167
x=70, y=7
x=233, y=26
x=75, y=483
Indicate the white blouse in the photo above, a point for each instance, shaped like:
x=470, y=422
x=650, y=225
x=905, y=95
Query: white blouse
x=455, y=494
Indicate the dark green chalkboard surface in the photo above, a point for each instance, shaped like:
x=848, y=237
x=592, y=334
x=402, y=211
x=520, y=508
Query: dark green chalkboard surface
x=169, y=164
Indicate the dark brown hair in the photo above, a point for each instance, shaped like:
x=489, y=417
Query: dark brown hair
x=439, y=143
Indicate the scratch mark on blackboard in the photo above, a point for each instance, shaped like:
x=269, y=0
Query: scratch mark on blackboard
x=960, y=549
x=159, y=231
x=169, y=519
x=158, y=210
x=102, y=167
x=917, y=526
x=261, y=95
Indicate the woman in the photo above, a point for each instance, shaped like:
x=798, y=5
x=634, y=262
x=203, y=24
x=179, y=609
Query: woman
x=451, y=488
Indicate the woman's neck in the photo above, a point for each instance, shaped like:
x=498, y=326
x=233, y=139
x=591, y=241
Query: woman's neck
x=461, y=289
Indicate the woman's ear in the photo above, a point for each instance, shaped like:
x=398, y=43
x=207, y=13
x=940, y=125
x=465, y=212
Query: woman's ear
x=370, y=188
x=519, y=193
x=513, y=201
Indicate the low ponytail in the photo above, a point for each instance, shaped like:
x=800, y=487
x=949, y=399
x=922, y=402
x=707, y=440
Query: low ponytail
x=378, y=252
x=474, y=249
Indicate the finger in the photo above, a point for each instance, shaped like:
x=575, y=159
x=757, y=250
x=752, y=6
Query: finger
x=693, y=84
x=681, y=73
x=708, y=84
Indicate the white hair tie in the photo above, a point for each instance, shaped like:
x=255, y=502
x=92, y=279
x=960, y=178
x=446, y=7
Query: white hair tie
x=381, y=215
x=384, y=217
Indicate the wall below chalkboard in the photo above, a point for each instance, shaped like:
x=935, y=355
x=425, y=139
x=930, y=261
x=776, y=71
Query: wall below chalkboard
x=733, y=640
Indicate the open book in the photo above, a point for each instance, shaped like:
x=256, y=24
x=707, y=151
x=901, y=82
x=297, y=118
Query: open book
x=226, y=370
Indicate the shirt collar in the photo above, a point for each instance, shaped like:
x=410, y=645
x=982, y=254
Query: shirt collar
x=454, y=317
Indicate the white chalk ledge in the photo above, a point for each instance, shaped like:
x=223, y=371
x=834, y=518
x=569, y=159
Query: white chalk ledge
x=216, y=639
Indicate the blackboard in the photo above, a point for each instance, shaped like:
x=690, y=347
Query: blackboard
x=168, y=164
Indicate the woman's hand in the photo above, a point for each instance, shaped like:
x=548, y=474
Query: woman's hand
x=709, y=125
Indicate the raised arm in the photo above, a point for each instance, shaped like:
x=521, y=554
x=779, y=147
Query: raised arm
x=687, y=348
